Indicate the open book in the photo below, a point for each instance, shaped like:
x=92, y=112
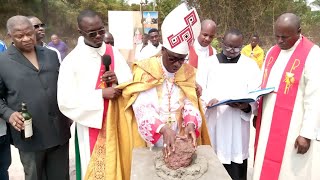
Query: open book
x=250, y=97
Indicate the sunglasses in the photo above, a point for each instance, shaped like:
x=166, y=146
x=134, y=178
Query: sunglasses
x=93, y=34
x=39, y=25
x=235, y=49
x=173, y=59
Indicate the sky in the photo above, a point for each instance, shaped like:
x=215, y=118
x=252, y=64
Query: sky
x=313, y=8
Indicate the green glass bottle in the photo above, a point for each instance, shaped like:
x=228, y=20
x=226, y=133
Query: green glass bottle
x=27, y=133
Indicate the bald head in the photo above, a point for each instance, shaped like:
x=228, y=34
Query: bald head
x=207, y=33
x=289, y=19
x=16, y=21
x=287, y=30
x=108, y=38
x=208, y=23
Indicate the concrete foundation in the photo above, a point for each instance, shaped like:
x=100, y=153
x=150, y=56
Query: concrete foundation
x=142, y=167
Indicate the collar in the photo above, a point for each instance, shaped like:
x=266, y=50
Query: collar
x=92, y=50
x=198, y=47
x=225, y=59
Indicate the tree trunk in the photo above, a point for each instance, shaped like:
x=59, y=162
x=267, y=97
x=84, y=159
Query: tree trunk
x=44, y=6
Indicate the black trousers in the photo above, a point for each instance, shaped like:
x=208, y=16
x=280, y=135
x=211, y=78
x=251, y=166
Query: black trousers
x=49, y=164
x=5, y=157
x=237, y=171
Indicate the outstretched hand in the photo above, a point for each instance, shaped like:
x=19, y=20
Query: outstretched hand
x=169, y=138
x=191, y=133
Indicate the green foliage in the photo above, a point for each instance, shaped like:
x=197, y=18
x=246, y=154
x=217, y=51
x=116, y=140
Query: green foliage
x=164, y=7
x=216, y=44
x=250, y=16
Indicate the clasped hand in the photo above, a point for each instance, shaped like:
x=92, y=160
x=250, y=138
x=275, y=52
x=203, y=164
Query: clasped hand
x=111, y=93
x=241, y=106
x=170, y=136
x=110, y=77
x=302, y=145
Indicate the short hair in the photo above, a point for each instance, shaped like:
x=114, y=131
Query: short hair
x=86, y=13
x=14, y=20
x=233, y=31
x=256, y=35
x=153, y=30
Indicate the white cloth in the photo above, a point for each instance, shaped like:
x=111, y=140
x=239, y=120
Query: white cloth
x=229, y=128
x=157, y=109
x=304, y=122
x=3, y=127
x=137, y=52
x=203, y=60
x=202, y=51
x=148, y=51
x=78, y=98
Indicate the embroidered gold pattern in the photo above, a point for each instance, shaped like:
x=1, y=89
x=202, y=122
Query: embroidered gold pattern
x=289, y=78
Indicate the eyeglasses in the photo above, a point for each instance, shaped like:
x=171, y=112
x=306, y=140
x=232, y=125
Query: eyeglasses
x=93, y=34
x=235, y=49
x=174, y=59
x=39, y=25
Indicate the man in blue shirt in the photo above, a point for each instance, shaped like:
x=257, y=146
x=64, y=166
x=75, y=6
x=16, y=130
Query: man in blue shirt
x=3, y=46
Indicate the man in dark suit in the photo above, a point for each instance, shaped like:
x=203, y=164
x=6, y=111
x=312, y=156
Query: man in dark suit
x=29, y=73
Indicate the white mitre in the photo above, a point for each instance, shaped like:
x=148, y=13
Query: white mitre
x=180, y=28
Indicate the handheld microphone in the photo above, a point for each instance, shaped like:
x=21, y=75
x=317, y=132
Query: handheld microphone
x=106, y=60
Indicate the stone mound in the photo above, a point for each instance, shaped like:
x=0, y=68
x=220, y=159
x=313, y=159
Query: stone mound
x=182, y=156
x=198, y=167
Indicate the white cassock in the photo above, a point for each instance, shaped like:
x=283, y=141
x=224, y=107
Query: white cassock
x=304, y=122
x=78, y=97
x=151, y=110
x=229, y=128
x=202, y=53
x=149, y=51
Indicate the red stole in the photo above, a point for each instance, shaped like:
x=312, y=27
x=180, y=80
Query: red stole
x=93, y=132
x=283, y=109
x=193, y=57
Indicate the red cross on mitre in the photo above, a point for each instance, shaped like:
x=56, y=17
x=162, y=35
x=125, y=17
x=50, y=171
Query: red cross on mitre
x=186, y=34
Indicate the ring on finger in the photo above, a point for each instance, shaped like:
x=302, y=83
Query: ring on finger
x=164, y=145
x=14, y=123
x=109, y=78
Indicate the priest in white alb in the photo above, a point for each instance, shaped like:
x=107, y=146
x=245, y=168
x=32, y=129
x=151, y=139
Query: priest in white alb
x=86, y=95
x=289, y=119
x=201, y=48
